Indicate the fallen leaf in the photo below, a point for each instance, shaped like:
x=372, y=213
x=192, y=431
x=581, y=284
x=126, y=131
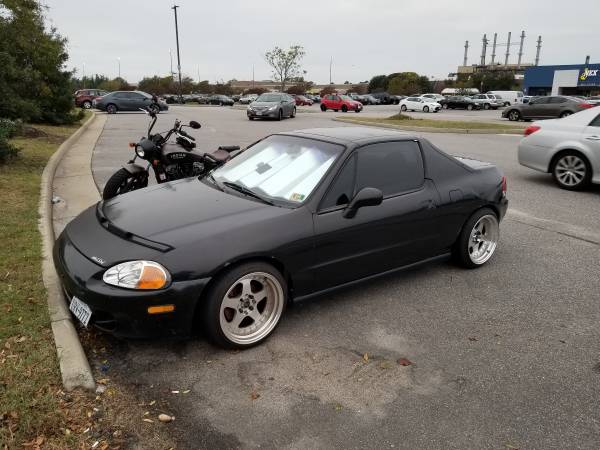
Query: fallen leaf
x=472, y=339
x=153, y=402
x=404, y=362
x=562, y=341
x=20, y=339
x=254, y=395
x=165, y=418
x=174, y=392
x=187, y=391
x=148, y=420
x=366, y=357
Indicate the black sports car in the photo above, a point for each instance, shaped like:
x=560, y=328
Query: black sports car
x=294, y=215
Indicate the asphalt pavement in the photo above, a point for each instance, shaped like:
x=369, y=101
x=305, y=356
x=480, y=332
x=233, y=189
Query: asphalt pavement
x=501, y=357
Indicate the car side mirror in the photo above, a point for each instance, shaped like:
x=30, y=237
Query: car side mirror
x=365, y=197
x=195, y=125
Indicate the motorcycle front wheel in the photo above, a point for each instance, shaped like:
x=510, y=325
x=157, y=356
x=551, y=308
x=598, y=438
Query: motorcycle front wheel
x=122, y=181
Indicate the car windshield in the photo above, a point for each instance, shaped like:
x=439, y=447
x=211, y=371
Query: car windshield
x=281, y=168
x=269, y=98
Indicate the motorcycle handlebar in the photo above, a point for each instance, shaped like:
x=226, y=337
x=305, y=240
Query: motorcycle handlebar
x=183, y=133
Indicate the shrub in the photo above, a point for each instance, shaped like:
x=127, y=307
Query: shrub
x=8, y=128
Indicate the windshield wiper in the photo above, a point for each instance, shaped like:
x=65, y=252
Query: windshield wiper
x=215, y=182
x=246, y=191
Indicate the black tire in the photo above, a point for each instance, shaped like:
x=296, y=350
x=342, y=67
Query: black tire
x=565, y=114
x=564, y=156
x=445, y=106
x=220, y=103
x=344, y=109
x=250, y=118
x=460, y=250
x=323, y=108
x=335, y=110
x=403, y=108
x=357, y=110
x=211, y=307
x=513, y=115
x=122, y=181
x=506, y=103
x=280, y=115
x=469, y=107
x=293, y=113
x=86, y=105
x=111, y=108
x=486, y=106
x=426, y=109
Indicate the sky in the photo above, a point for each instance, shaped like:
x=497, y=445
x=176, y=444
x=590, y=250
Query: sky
x=224, y=39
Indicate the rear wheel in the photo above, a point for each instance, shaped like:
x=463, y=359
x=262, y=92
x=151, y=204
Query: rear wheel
x=514, y=115
x=571, y=171
x=323, y=108
x=87, y=104
x=565, y=114
x=293, y=113
x=486, y=106
x=445, y=106
x=344, y=108
x=469, y=107
x=280, y=115
x=245, y=305
x=478, y=239
x=122, y=181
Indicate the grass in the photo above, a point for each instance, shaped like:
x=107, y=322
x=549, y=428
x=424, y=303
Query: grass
x=405, y=120
x=32, y=406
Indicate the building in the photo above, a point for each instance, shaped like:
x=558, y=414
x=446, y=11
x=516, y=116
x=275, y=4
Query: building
x=573, y=79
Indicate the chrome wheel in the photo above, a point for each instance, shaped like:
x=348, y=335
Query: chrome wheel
x=570, y=170
x=251, y=308
x=483, y=239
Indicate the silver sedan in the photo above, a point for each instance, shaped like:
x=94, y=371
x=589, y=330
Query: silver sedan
x=568, y=148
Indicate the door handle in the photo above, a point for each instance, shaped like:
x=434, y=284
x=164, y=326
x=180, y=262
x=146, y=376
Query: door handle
x=593, y=138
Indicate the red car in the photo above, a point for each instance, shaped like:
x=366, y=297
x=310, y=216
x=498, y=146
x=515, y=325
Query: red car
x=301, y=100
x=85, y=97
x=340, y=102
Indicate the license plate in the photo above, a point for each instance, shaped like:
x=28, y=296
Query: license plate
x=81, y=311
x=259, y=113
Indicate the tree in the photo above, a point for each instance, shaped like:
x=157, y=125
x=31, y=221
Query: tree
x=285, y=63
x=378, y=83
x=255, y=90
x=300, y=88
x=116, y=84
x=327, y=90
x=34, y=83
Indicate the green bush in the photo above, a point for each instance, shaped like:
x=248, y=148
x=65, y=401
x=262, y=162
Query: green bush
x=8, y=129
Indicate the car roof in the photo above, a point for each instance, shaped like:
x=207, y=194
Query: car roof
x=348, y=135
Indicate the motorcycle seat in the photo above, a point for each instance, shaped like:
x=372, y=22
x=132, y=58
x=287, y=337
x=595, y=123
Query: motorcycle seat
x=220, y=155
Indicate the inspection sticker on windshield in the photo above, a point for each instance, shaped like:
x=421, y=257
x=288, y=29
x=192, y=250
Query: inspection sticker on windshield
x=81, y=311
x=295, y=197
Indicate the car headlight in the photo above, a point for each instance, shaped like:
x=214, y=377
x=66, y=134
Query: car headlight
x=137, y=275
x=273, y=108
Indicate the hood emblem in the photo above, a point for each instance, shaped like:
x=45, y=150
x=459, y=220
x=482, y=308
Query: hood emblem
x=98, y=260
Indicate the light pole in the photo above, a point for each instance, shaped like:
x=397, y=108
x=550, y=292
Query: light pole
x=174, y=8
x=330, y=64
x=171, y=58
x=83, y=75
x=119, y=63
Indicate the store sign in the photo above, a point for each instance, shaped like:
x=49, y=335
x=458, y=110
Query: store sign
x=588, y=73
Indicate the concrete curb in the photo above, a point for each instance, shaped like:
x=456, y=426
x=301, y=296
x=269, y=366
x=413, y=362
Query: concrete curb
x=428, y=129
x=74, y=366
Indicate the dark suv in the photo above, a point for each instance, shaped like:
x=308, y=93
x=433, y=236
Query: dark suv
x=551, y=107
x=385, y=98
x=85, y=97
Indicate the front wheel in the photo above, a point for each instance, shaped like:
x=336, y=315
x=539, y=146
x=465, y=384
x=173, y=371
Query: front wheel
x=486, y=106
x=280, y=115
x=344, y=109
x=469, y=107
x=293, y=113
x=445, y=106
x=426, y=109
x=122, y=181
x=87, y=104
x=323, y=108
x=478, y=239
x=245, y=305
x=111, y=109
x=403, y=108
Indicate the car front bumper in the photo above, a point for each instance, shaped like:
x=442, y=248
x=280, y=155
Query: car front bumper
x=262, y=114
x=124, y=312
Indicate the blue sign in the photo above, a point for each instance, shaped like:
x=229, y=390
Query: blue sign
x=589, y=76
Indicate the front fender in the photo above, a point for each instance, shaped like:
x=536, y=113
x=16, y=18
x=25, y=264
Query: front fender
x=134, y=169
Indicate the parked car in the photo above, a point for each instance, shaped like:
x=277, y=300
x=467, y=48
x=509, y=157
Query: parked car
x=436, y=97
x=84, y=98
x=509, y=97
x=247, y=99
x=385, y=98
x=128, y=101
x=172, y=98
x=340, y=103
x=301, y=100
x=316, y=98
x=272, y=105
x=236, y=97
x=420, y=104
x=459, y=102
x=221, y=100
x=567, y=148
x=487, y=101
x=202, y=99
x=369, y=100
x=550, y=107
x=295, y=215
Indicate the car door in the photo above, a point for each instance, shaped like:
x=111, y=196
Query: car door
x=399, y=231
x=591, y=135
x=556, y=106
x=536, y=108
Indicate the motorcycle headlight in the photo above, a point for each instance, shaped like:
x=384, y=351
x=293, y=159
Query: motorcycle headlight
x=137, y=275
x=139, y=151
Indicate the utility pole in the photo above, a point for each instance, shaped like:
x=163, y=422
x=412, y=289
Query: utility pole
x=83, y=75
x=198, y=73
x=484, y=49
x=521, y=49
x=466, y=51
x=252, y=76
x=174, y=8
x=538, y=48
x=119, y=62
x=171, y=58
x=330, y=64
x=494, y=49
x=507, y=49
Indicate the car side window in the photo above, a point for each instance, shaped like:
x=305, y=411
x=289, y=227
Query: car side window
x=342, y=188
x=557, y=100
x=542, y=101
x=122, y=95
x=595, y=122
x=391, y=167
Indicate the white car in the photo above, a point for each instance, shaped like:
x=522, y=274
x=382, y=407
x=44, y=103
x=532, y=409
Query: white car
x=435, y=97
x=419, y=104
x=247, y=99
x=568, y=148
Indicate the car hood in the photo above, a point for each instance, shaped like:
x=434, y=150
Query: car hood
x=183, y=211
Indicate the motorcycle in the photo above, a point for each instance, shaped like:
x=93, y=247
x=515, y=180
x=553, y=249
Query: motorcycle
x=169, y=161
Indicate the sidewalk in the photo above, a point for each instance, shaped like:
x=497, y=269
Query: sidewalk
x=73, y=189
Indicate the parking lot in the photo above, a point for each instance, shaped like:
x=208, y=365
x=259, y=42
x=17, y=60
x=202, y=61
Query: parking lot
x=435, y=357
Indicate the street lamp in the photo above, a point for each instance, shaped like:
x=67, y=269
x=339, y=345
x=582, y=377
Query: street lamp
x=119, y=63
